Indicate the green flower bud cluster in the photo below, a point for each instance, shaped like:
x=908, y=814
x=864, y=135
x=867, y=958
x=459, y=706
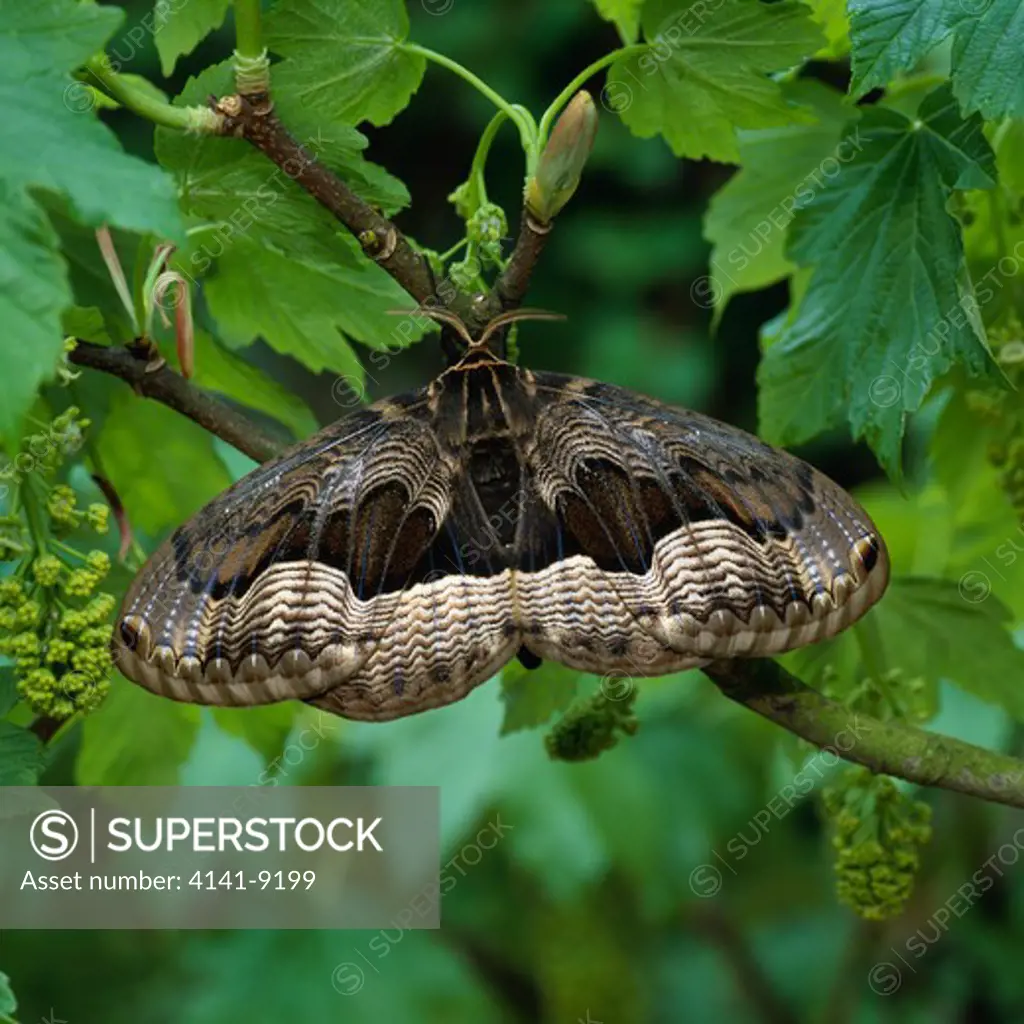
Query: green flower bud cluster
x=878, y=832
x=592, y=725
x=65, y=515
x=68, y=429
x=61, y=505
x=486, y=227
x=53, y=623
x=98, y=517
x=60, y=653
x=82, y=582
x=44, y=451
x=47, y=570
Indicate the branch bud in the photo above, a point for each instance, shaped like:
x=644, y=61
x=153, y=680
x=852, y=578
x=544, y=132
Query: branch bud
x=561, y=164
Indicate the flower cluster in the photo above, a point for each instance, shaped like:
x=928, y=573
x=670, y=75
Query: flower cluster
x=486, y=227
x=591, y=726
x=60, y=651
x=878, y=831
x=53, y=616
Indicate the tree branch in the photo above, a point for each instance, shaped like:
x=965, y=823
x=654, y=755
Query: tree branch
x=889, y=748
x=253, y=118
x=162, y=384
x=514, y=280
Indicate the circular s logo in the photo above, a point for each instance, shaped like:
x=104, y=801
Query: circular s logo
x=54, y=835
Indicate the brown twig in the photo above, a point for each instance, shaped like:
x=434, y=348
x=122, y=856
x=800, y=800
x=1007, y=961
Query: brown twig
x=887, y=747
x=164, y=385
x=514, y=280
x=253, y=118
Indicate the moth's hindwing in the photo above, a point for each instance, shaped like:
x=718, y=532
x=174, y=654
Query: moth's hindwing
x=402, y=556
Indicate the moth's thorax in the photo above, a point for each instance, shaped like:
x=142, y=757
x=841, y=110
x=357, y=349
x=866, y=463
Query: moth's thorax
x=482, y=398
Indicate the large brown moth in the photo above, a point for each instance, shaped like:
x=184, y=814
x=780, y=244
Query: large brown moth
x=401, y=556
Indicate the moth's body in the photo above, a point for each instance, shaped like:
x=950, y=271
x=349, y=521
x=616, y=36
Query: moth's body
x=403, y=555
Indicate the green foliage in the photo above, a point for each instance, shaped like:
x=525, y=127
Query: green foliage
x=1000, y=415
x=299, y=313
x=345, y=62
x=218, y=369
x=54, y=625
x=35, y=291
x=889, y=291
x=704, y=73
x=748, y=218
x=532, y=696
x=583, y=960
x=8, y=1004
x=282, y=271
x=832, y=17
x=135, y=739
x=41, y=101
x=44, y=104
x=893, y=35
x=265, y=729
x=134, y=435
x=625, y=14
x=433, y=984
x=933, y=629
x=179, y=28
x=22, y=757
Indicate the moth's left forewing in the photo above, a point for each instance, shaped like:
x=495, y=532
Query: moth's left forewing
x=283, y=586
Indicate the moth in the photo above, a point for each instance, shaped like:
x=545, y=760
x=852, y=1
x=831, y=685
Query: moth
x=400, y=557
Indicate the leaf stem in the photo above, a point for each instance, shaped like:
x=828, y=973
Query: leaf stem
x=519, y=115
x=449, y=253
x=130, y=96
x=69, y=551
x=476, y=171
x=248, y=29
x=36, y=521
x=578, y=82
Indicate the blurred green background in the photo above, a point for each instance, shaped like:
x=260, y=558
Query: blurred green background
x=598, y=905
